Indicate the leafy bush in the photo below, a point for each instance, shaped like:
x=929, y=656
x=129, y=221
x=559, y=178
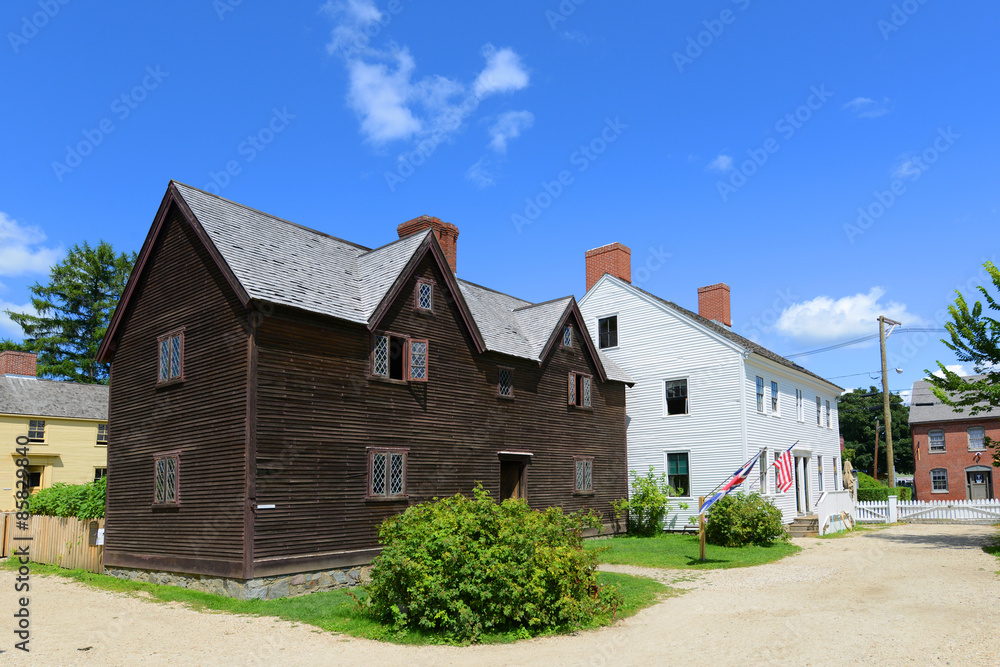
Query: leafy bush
x=84, y=501
x=866, y=481
x=741, y=519
x=465, y=567
x=648, y=505
x=882, y=493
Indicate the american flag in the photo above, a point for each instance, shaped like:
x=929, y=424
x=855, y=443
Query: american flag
x=783, y=464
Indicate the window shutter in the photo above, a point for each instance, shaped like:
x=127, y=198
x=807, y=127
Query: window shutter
x=572, y=389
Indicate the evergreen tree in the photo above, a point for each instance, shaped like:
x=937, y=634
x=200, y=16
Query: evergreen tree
x=74, y=310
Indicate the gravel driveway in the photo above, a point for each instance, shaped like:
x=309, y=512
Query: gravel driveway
x=911, y=593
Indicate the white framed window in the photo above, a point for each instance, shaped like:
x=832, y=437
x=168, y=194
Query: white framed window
x=800, y=408
x=939, y=480
x=819, y=472
x=775, y=402
x=607, y=332
x=102, y=434
x=977, y=438
x=935, y=440
x=760, y=394
x=36, y=430
x=829, y=422
x=679, y=472
x=676, y=397
x=819, y=411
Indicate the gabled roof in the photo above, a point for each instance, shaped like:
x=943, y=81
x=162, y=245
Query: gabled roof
x=926, y=407
x=52, y=398
x=268, y=259
x=725, y=332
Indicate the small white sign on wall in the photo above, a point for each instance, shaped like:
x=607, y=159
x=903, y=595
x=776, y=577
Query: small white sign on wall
x=100, y=537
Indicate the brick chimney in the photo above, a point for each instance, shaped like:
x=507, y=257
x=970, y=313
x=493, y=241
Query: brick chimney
x=446, y=233
x=615, y=259
x=18, y=363
x=713, y=303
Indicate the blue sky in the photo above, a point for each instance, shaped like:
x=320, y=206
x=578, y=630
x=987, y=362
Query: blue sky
x=830, y=161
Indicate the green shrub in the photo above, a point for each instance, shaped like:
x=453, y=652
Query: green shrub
x=648, y=505
x=84, y=501
x=866, y=481
x=464, y=567
x=741, y=519
x=882, y=493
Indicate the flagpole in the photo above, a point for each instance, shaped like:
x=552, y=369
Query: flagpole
x=712, y=492
x=774, y=464
x=701, y=528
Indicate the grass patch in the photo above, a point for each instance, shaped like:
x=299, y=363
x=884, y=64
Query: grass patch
x=993, y=548
x=680, y=551
x=335, y=611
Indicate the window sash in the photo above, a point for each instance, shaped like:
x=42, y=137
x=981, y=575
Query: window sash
x=679, y=472
x=760, y=394
x=939, y=479
x=935, y=441
x=819, y=411
x=505, y=384
x=572, y=389
x=387, y=473
x=425, y=296
x=171, y=357
x=774, y=397
x=567, y=340
x=102, y=434
x=819, y=472
x=380, y=356
x=166, y=482
x=676, y=394
x=36, y=430
x=977, y=437
x=607, y=328
x=417, y=358
x=584, y=475
x=799, y=406
x=829, y=424
x=100, y=473
x=585, y=390
x=762, y=464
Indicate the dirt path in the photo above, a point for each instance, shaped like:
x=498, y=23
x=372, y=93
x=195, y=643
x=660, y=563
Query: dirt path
x=920, y=594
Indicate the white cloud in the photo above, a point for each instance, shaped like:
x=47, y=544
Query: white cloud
x=8, y=328
x=509, y=126
x=482, y=173
x=21, y=249
x=503, y=73
x=721, y=164
x=828, y=319
x=866, y=107
x=393, y=105
x=906, y=395
x=954, y=368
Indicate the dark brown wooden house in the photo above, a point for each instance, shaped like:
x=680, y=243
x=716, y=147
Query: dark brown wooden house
x=277, y=392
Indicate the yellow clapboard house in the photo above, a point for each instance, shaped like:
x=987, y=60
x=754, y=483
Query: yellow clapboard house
x=66, y=424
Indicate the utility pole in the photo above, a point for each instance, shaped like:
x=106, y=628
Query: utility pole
x=876, y=451
x=882, y=335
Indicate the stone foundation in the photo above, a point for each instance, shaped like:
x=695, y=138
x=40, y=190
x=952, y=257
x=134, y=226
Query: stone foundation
x=263, y=588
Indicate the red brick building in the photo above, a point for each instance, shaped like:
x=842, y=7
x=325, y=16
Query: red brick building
x=950, y=457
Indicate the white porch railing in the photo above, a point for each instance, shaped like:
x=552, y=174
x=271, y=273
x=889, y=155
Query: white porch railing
x=836, y=511
x=932, y=511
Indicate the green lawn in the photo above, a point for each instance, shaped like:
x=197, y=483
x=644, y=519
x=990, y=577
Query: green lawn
x=680, y=551
x=994, y=547
x=337, y=612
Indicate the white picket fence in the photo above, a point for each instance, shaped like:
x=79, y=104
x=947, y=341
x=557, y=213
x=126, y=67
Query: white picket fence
x=932, y=511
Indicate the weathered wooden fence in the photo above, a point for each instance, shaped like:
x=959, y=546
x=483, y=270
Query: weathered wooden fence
x=932, y=511
x=66, y=542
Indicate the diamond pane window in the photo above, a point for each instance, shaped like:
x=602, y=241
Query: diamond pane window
x=165, y=483
x=171, y=480
x=387, y=473
x=586, y=392
x=584, y=475
x=506, y=385
x=572, y=388
x=418, y=360
x=567, y=336
x=425, y=296
x=171, y=347
x=378, y=474
x=161, y=480
x=36, y=430
x=380, y=357
x=395, y=474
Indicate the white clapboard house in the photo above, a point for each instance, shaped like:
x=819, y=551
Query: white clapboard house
x=707, y=399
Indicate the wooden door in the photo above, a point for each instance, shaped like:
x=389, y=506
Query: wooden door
x=511, y=480
x=977, y=484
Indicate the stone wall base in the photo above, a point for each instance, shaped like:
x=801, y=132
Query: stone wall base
x=262, y=588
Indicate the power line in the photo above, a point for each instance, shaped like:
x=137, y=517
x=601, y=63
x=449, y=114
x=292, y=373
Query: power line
x=863, y=339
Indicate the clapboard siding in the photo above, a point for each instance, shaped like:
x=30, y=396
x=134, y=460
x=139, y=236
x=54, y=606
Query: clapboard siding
x=722, y=429
x=319, y=411
x=204, y=417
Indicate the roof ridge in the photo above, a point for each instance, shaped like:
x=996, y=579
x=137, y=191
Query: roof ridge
x=489, y=289
x=399, y=240
x=543, y=303
x=272, y=216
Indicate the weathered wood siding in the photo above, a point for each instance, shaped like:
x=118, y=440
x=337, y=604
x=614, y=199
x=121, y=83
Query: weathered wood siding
x=204, y=417
x=318, y=411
